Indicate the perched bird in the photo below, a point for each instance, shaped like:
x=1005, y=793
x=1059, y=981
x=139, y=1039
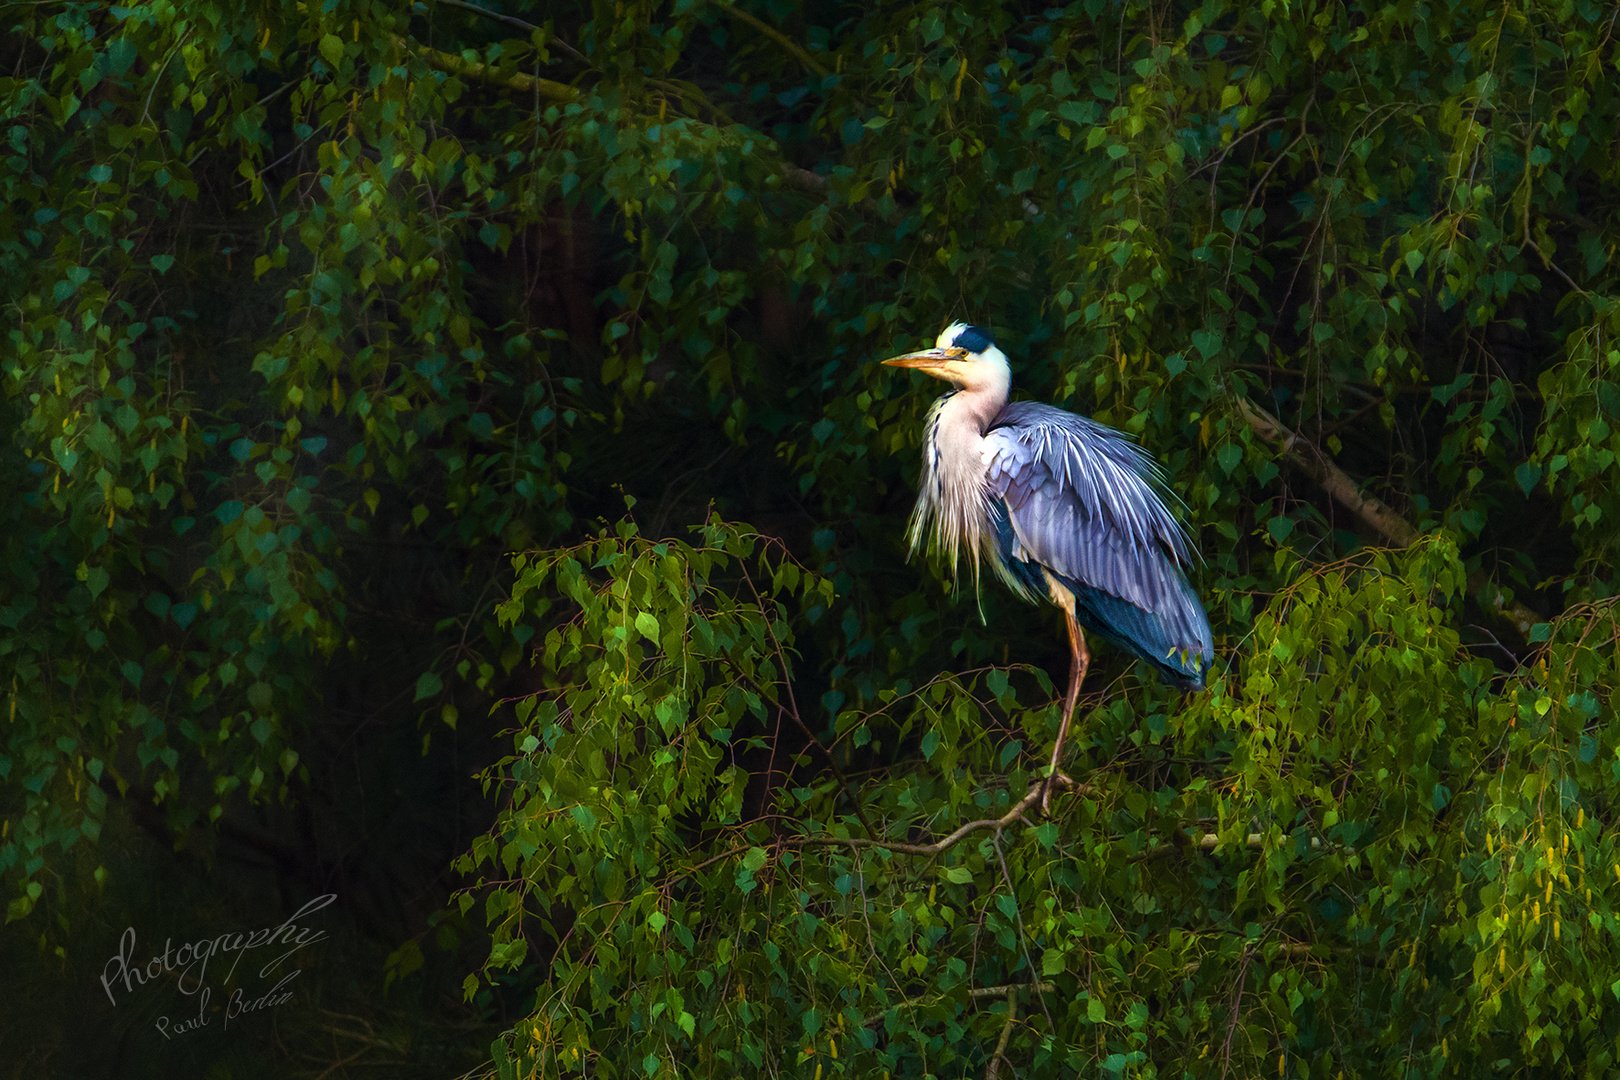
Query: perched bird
x=1063, y=507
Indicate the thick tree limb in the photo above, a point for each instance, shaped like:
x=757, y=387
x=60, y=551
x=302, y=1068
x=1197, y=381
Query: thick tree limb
x=1394, y=528
x=1373, y=512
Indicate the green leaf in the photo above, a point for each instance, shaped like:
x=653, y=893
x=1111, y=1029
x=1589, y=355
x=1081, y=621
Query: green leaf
x=427, y=685
x=332, y=49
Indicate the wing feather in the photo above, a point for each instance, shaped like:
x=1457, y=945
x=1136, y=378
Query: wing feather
x=1088, y=504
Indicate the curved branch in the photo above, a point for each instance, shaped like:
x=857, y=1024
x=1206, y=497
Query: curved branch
x=940, y=846
x=780, y=38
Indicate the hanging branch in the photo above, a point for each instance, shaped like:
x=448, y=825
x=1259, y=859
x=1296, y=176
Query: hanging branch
x=1373, y=512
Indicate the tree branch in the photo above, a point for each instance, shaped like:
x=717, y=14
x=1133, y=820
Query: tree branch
x=780, y=38
x=1006, y=990
x=1209, y=842
x=1006, y=1032
x=940, y=846
x=1332, y=479
x=1010, y=988
x=455, y=65
x=1373, y=512
x=496, y=15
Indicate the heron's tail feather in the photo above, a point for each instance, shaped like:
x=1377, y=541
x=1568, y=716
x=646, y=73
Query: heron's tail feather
x=1177, y=647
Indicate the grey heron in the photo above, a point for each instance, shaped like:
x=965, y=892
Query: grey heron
x=1062, y=507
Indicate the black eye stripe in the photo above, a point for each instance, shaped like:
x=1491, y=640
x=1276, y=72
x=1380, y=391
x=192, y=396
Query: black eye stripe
x=974, y=339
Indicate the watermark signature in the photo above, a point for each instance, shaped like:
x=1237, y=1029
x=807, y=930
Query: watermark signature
x=187, y=966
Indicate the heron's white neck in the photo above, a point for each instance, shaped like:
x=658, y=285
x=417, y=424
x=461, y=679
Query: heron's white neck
x=982, y=392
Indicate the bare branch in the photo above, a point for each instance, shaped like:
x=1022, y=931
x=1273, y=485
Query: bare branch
x=795, y=177
x=1005, y=990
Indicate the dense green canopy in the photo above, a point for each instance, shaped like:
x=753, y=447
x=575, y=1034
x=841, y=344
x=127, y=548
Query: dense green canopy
x=522, y=358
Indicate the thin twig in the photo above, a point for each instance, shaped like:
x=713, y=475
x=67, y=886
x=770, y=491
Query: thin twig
x=1023, y=939
x=1209, y=842
x=512, y=20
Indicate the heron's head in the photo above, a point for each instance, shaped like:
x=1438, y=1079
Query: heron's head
x=964, y=355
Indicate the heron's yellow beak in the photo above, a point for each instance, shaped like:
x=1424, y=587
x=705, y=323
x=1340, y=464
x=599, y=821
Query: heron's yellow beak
x=927, y=358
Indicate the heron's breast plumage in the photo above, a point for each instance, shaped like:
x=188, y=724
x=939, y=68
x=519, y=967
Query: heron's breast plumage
x=953, y=504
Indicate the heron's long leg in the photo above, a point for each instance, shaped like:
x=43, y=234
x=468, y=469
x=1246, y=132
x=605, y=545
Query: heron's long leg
x=1080, y=659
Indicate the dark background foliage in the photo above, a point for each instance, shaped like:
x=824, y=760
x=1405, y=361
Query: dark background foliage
x=448, y=470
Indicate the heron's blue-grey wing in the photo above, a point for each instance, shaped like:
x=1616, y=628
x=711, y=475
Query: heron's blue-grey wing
x=1082, y=501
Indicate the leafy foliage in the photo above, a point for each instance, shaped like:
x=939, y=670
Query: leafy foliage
x=1315, y=849
x=299, y=292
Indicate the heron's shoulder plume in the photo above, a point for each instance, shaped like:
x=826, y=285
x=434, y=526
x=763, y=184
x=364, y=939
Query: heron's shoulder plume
x=1107, y=476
